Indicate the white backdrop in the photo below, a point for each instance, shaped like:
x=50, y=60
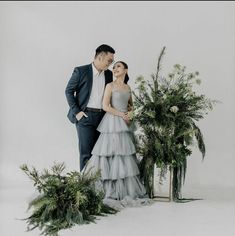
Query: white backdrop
x=41, y=43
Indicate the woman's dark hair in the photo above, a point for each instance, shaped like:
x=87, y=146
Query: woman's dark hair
x=126, y=67
x=104, y=48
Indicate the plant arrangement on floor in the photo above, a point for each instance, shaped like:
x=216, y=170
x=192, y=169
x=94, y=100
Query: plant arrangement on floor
x=64, y=199
x=167, y=109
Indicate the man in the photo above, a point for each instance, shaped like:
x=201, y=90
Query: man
x=84, y=93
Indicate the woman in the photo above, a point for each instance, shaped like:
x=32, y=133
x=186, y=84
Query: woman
x=114, y=153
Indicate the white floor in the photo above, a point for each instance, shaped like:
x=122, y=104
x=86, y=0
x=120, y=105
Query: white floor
x=212, y=216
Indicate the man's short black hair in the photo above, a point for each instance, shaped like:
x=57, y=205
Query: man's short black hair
x=104, y=48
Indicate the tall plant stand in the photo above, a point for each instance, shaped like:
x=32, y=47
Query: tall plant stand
x=169, y=196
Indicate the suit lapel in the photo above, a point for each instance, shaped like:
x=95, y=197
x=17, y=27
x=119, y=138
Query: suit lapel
x=90, y=78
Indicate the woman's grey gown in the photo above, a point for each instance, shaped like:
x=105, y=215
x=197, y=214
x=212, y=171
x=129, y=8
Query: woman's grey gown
x=114, y=154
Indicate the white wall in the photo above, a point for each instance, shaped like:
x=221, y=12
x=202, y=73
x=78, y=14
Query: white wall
x=41, y=43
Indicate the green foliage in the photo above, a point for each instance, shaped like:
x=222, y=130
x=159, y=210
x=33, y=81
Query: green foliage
x=64, y=200
x=166, y=109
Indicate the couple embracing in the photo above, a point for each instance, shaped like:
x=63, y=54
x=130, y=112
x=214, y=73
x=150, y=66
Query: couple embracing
x=99, y=108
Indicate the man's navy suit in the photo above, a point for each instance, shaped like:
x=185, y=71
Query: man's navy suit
x=78, y=92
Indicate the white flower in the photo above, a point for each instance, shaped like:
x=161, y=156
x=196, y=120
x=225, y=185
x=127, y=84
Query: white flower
x=191, y=93
x=164, y=96
x=130, y=115
x=174, y=109
x=175, y=87
x=160, y=129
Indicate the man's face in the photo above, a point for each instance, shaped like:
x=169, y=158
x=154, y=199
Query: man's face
x=106, y=59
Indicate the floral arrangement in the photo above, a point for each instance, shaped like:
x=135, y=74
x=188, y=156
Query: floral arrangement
x=167, y=109
x=64, y=200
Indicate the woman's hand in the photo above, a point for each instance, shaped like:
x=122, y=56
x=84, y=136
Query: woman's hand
x=125, y=117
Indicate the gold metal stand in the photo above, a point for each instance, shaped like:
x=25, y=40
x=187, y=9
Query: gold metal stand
x=165, y=198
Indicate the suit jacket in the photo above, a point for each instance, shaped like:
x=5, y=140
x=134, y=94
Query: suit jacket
x=79, y=87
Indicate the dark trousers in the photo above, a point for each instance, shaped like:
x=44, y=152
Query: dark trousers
x=88, y=134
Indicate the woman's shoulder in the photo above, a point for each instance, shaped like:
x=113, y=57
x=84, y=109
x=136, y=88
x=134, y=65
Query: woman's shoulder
x=109, y=86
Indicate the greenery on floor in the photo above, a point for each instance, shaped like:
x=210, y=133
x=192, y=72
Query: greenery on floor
x=64, y=200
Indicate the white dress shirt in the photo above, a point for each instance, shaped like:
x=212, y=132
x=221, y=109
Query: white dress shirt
x=97, y=90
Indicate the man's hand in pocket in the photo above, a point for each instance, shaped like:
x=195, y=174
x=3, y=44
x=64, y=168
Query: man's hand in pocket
x=80, y=115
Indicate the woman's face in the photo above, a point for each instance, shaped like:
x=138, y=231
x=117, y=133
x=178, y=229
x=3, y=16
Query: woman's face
x=119, y=69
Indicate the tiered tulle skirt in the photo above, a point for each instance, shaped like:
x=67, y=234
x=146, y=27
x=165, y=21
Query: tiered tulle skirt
x=114, y=155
